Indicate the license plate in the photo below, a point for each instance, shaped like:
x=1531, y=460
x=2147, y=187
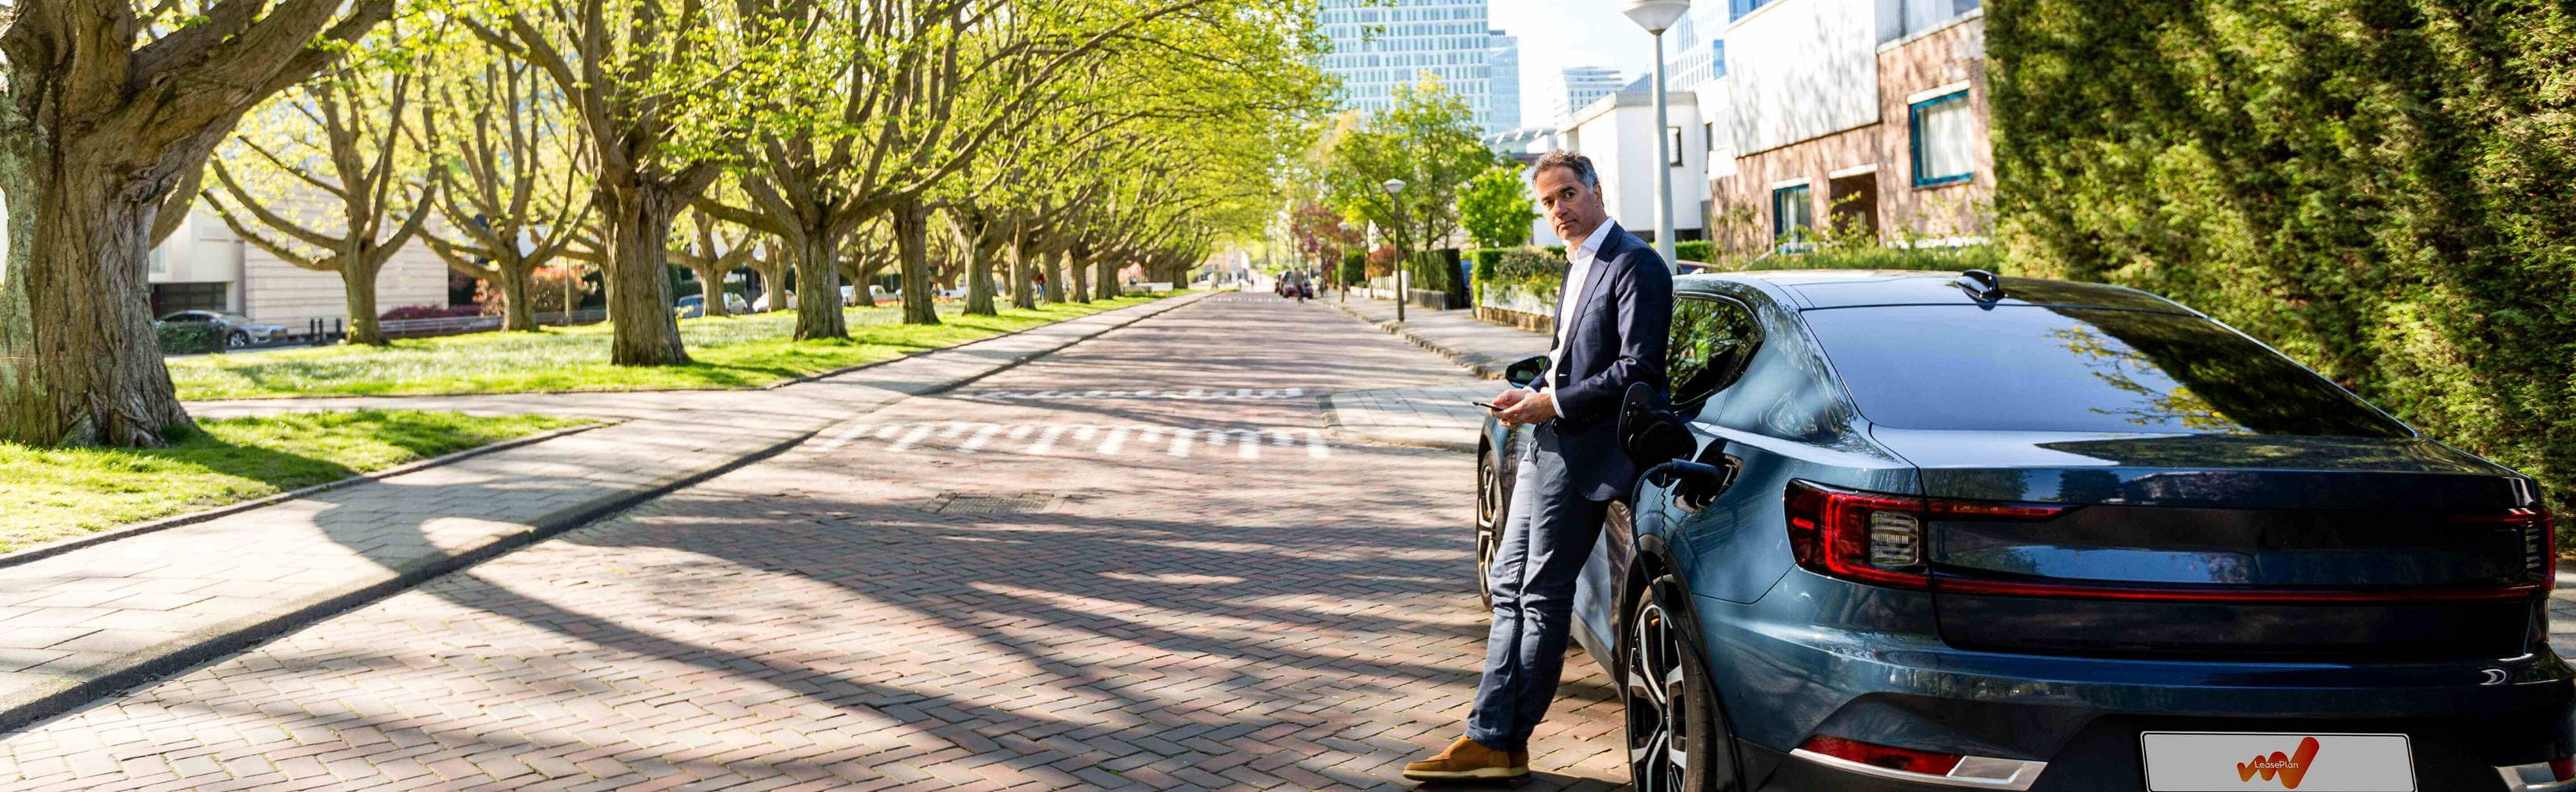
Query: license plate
x=2215, y=762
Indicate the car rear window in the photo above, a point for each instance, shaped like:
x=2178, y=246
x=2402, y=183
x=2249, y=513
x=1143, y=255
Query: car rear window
x=2053, y=368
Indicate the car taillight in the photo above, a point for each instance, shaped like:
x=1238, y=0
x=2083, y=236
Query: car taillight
x=1893, y=758
x=2539, y=541
x=1877, y=538
x=1859, y=536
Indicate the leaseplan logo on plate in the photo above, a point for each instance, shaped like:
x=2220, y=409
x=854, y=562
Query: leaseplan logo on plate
x=2313, y=762
x=2289, y=768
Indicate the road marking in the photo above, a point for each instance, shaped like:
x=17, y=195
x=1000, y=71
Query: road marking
x=972, y=437
x=1193, y=394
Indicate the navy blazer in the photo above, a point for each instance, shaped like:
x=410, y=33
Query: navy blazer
x=1614, y=338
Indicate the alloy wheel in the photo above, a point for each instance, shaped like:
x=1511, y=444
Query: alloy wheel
x=1488, y=511
x=1659, y=756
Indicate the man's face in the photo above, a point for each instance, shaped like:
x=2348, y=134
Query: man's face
x=1573, y=210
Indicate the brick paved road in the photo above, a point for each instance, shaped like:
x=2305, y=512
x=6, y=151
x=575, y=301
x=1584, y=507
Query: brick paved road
x=954, y=614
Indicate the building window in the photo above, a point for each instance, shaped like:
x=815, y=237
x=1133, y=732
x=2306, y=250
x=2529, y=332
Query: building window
x=1793, y=216
x=1676, y=147
x=1945, y=137
x=1736, y=9
x=1708, y=134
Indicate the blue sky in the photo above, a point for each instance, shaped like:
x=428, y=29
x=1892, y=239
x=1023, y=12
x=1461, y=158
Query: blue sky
x=1558, y=33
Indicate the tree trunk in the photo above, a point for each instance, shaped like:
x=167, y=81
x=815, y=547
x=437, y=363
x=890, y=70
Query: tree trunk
x=79, y=362
x=1077, y=278
x=1108, y=269
x=358, y=284
x=912, y=237
x=638, y=278
x=1021, y=297
x=711, y=287
x=979, y=279
x=818, y=281
x=1055, y=265
x=516, y=282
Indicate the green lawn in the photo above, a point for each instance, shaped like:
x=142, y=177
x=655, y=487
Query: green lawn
x=57, y=493
x=730, y=352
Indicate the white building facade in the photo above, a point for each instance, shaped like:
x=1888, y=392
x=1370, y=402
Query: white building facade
x=1379, y=45
x=203, y=266
x=1578, y=86
x=1503, y=62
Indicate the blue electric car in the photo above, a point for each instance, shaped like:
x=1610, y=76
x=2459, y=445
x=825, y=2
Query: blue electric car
x=1941, y=531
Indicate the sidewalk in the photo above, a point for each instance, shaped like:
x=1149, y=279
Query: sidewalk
x=1481, y=347
x=82, y=622
x=1438, y=416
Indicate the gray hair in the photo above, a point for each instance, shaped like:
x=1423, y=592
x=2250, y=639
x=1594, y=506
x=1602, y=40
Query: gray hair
x=1561, y=158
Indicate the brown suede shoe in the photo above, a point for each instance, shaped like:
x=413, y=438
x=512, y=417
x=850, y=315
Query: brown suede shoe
x=1469, y=759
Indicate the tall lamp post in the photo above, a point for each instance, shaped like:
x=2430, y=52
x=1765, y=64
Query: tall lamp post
x=1402, y=294
x=1657, y=16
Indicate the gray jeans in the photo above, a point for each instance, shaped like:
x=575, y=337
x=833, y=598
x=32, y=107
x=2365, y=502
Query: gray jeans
x=1549, y=534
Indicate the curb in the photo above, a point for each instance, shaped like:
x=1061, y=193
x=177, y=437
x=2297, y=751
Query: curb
x=796, y=380
x=153, y=664
x=60, y=547
x=1340, y=433
x=1333, y=428
x=1460, y=359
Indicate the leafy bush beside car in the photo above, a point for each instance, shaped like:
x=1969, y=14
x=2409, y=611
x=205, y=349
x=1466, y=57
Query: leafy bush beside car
x=187, y=338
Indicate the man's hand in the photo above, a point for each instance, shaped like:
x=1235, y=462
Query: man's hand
x=1527, y=409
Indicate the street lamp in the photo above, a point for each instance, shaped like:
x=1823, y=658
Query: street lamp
x=1656, y=16
x=1394, y=186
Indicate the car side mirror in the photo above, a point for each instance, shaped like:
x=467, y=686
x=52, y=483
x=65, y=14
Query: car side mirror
x=1649, y=433
x=1526, y=371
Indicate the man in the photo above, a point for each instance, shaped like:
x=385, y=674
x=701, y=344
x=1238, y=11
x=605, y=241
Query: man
x=1611, y=321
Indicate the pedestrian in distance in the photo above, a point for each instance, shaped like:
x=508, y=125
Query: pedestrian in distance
x=1612, y=318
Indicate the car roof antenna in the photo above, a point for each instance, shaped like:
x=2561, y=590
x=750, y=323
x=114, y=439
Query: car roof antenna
x=1980, y=284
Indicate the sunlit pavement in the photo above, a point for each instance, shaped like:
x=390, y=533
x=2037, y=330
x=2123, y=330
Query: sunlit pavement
x=1134, y=563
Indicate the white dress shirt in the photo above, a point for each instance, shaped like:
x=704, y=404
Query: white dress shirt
x=1570, y=298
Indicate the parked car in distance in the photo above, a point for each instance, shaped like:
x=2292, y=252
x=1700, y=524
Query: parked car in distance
x=763, y=304
x=695, y=305
x=1915, y=531
x=236, y=330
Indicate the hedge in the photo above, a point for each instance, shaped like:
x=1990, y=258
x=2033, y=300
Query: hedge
x=2383, y=189
x=1354, y=268
x=1694, y=250
x=186, y=338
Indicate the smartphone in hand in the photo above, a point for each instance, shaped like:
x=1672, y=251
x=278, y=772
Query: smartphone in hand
x=1489, y=406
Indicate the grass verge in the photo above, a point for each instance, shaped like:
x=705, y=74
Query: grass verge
x=58, y=493
x=728, y=352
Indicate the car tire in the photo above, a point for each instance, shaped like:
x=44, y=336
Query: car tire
x=237, y=340
x=1493, y=508
x=1676, y=736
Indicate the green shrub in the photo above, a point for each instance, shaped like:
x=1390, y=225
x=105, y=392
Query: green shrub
x=1984, y=257
x=187, y=338
x=1694, y=250
x=1354, y=268
x=2383, y=189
